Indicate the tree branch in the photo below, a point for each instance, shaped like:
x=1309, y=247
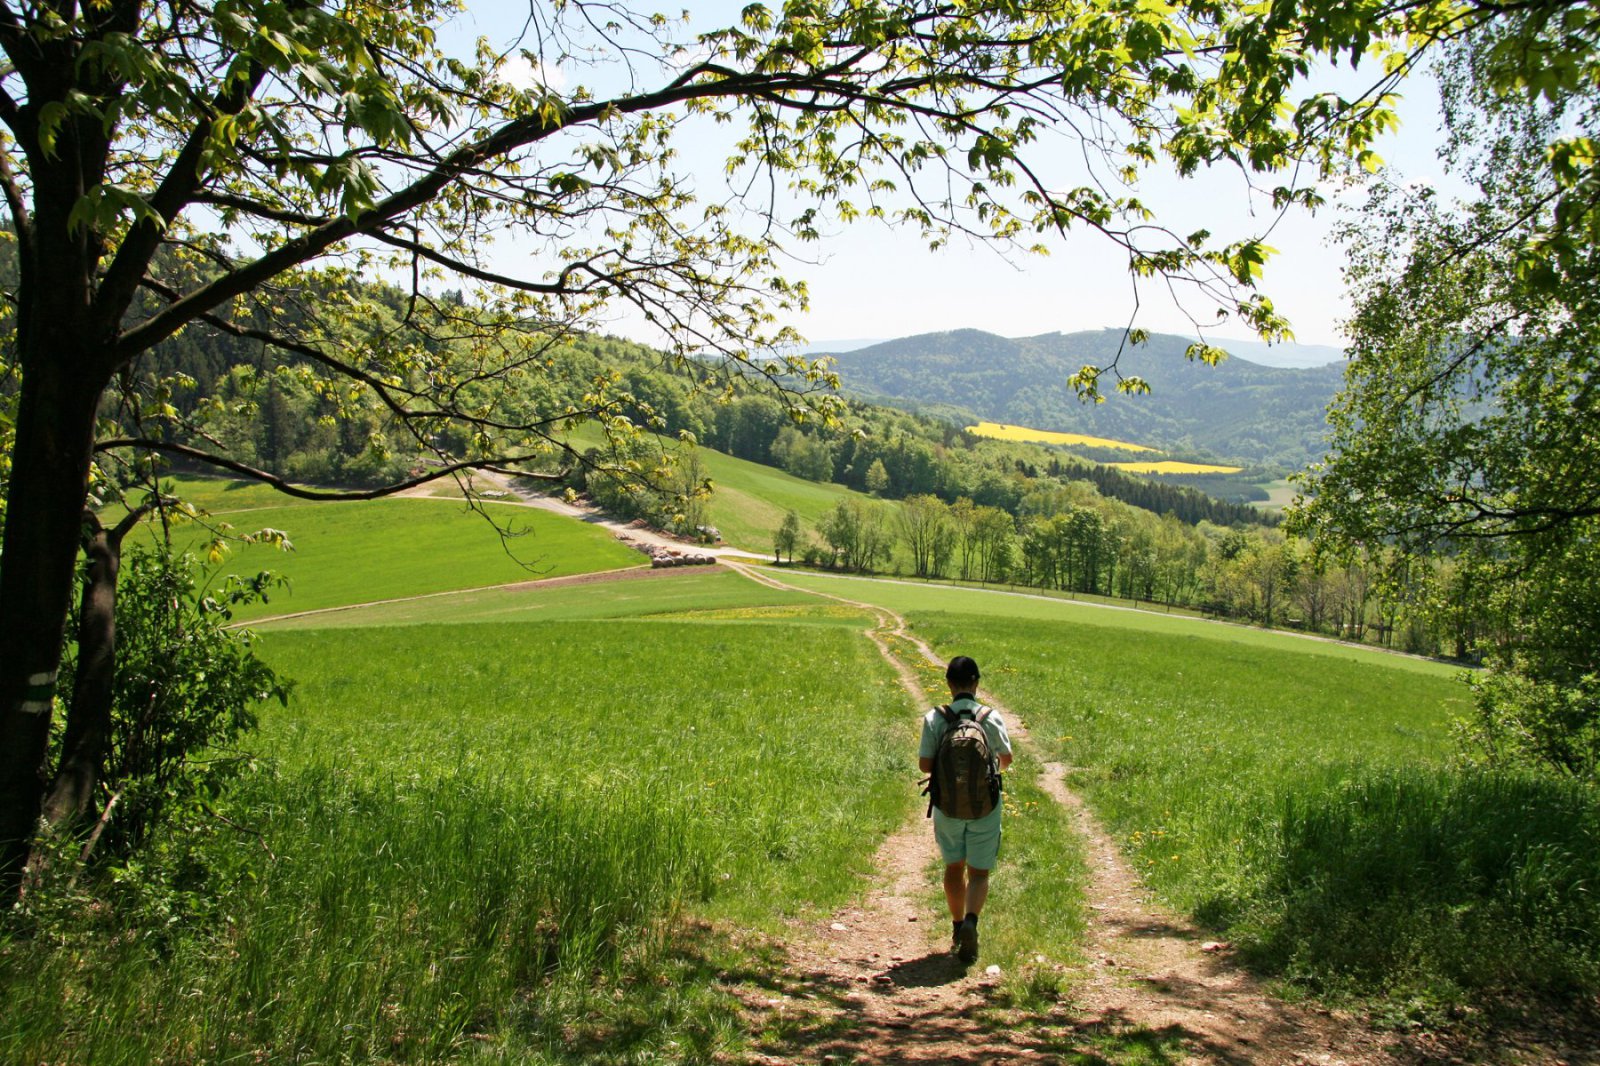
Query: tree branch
x=384, y=390
x=290, y=489
x=183, y=178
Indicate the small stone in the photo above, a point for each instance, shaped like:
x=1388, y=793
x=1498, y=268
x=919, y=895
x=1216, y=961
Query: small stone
x=912, y=918
x=884, y=979
x=1040, y=959
x=861, y=978
x=839, y=927
x=1213, y=946
x=993, y=971
x=897, y=958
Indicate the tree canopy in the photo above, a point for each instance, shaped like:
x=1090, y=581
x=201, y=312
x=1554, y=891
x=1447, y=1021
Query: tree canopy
x=233, y=165
x=1467, y=424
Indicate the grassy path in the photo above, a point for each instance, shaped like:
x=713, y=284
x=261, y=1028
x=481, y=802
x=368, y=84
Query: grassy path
x=1149, y=991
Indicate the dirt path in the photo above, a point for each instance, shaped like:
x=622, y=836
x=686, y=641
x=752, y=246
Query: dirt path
x=874, y=983
x=513, y=496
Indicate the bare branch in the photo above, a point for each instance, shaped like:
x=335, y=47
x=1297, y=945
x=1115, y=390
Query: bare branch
x=288, y=488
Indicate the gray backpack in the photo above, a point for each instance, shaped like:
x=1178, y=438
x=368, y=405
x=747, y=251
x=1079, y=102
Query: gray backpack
x=965, y=782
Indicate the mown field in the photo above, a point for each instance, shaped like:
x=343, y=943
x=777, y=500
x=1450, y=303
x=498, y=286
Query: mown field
x=360, y=552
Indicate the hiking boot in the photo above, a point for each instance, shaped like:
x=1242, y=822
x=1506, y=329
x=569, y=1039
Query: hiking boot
x=967, y=942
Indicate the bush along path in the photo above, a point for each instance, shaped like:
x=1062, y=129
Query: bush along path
x=875, y=983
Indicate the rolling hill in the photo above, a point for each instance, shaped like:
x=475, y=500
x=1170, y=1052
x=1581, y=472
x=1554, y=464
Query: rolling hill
x=1239, y=409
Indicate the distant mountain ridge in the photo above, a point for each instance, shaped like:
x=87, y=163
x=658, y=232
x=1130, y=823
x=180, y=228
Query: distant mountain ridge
x=1239, y=409
x=1288, y=354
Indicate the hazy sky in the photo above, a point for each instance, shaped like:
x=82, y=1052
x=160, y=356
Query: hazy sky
x=871, y=281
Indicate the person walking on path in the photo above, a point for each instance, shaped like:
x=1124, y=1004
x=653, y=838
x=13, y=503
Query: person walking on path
x=966, y=821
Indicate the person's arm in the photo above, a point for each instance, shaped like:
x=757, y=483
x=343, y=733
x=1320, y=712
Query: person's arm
x=927, y=745
x=999, y=738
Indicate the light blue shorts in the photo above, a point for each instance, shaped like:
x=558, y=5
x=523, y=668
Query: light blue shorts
x=975, y=841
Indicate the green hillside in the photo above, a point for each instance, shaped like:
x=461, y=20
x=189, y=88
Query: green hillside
x=750, y=500
x=1237, y=409
x=359, y=552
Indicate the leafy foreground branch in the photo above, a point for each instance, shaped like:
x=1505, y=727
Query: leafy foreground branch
x=234, y=165
x=1466, y=427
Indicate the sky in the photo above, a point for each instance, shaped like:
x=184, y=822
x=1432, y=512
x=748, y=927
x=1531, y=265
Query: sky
x=870, y=281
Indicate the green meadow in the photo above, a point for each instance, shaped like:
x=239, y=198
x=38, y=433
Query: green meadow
x=360, y=552
x=1298, y=796
x=456, y=829
x=699, y=593
x=562, y=823
x=749, y=500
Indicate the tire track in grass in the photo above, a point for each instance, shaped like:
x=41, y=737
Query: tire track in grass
x=875, y=985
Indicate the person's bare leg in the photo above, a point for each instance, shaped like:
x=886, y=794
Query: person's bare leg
x=956, y=892
x=977, y=890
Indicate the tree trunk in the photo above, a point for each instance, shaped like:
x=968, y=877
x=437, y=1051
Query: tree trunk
x=44, y=509
x=88, y=731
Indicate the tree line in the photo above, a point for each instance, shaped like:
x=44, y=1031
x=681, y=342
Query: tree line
x=1070, y=539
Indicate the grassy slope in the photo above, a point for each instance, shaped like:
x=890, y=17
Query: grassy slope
x=680, y=590
x=471, y=836
x=374, y=550
x=1300, y=796
x=1289, y=789
x=751, y=499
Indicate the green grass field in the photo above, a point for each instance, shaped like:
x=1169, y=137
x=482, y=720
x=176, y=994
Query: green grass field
x=750, y=500
x=661, y=592
x=452, y=841
x=909, y=597
x=1298, y=796
x=553, y=823
x=381, y=549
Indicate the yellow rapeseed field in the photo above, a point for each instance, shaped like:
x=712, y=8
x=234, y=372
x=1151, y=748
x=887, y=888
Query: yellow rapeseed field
x=1049, y=436
x=1172, y=466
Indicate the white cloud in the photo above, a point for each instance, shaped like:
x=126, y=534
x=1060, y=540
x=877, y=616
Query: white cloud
x=525, y=71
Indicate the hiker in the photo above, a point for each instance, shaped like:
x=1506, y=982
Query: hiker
x=963, y=767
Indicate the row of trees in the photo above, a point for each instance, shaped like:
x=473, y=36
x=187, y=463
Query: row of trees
x=1103, y=548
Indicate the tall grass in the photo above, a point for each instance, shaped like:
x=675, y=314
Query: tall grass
x=473, y=841
x=1433, y=883
x=1307, y=805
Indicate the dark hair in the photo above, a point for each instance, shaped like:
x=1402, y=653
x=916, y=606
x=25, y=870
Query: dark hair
x=961, y=669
